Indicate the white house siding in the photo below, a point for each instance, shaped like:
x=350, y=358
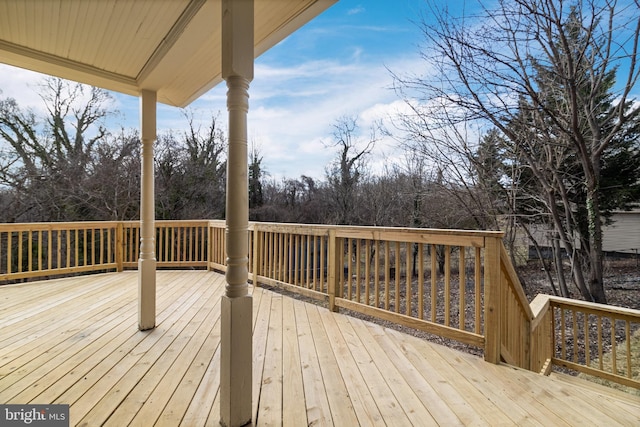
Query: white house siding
x=623, y=235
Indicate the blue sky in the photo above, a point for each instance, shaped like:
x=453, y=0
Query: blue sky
x=336, y=65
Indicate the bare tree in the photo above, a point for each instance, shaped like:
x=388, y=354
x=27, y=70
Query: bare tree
x=256, y=177
x=551, y=62
x=349, y=168
x=190, y=172
x=47, y=160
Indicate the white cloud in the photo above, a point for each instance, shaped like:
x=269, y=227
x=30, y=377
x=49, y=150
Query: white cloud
x=292, y=108
x=21, y=85
x=356, y=10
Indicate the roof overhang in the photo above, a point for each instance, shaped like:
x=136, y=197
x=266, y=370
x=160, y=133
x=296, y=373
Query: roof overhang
x=172, y=47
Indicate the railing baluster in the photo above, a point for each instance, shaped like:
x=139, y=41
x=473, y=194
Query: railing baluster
x=614, y=356
x=574, y=320
x=409, y=278
x=627, y=335
x=478, y=290
x=19, y=251
x=367, y=272
x=563, y=340
x=325, y=262
x=30, y=249
x=39, y=251
x=434, y=283
x=387, y=279
x=462, y=303
x=84, y=247
x=396, y=282
x=600, y=351
x=357, y=266
x=298, y=261
x=587, y=340
x=420, y=281
x=285, y=262
x=447, y=285
x=376, y=273
x=308, y=262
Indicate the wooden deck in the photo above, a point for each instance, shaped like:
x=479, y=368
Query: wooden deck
x=75, y=341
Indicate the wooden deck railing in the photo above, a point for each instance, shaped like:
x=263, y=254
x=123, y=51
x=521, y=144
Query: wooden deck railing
x=432, y=280
x=44, y=249
x=32, y=250
x=594, y=339
x=179, y=244
x=453, y=283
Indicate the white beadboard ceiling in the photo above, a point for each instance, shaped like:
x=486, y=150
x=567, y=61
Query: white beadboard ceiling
x=170, y=46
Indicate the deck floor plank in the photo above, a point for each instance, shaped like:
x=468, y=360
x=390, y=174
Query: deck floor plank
x=97, y=405
x=337, y=394
x=441, y=391
x=176, y=367
x=386, y=401
x=270, y=404
x=363, y=402
x=184, y=393
x=315, y=393
x=525, y=412
x=413, y=408
x=437, y=408
x=262, y=310
x=76, y=341
x=121, y=341
x=44, y=357
x=294, y=411
x=538, y=402
x=626, y=402
x=443, y=375
x=50, y=318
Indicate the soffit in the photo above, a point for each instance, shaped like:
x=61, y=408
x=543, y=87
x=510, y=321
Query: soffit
x=170, y=46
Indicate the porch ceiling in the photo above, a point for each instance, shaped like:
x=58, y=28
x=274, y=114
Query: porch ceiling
x=172, y=47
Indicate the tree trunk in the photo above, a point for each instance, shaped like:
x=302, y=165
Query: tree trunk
x=596, y=279
x=557, y=252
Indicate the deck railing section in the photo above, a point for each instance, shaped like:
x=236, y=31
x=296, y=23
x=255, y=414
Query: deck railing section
x=453, y=283
x=217, y=241
x=31, y=250
x=594, y=339
x=431, y=280
x=292, y=257
x=179, y=244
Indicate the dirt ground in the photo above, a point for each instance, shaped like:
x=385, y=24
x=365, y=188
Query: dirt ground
x=622, y=282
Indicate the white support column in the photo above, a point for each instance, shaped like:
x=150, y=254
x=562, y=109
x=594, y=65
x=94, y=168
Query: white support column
x=147, y=257
x=236, y=316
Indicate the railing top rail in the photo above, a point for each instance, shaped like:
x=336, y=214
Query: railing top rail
x=200, y=222
x=317, y=230
x=594, y=308
x=18, y=226
x=415, y=235
x=431, y=231
x=515, y=282
x=426, y=235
